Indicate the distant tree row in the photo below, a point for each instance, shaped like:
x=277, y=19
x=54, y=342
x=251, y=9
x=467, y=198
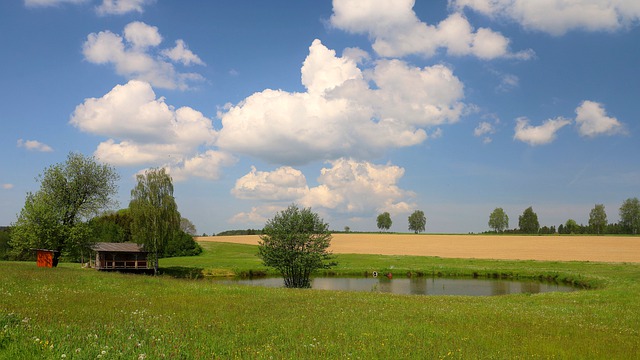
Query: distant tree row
x=528, y=222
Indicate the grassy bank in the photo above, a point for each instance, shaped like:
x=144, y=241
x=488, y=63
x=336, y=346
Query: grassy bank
x=74, y=313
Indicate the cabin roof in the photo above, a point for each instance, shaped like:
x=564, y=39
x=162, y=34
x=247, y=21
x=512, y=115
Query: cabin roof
x=118, y=247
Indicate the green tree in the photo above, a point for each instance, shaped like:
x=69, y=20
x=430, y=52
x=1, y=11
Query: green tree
x=295, y=242
x=417, y=221
x=112, y=226
x=528, y=221
x=70, y=193
x=571, y=227
x=598, y=219
x=498, y=220
x=384, y=221
x=630, y=215
x=154, y=213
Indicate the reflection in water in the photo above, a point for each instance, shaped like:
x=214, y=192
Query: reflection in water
x=418, y=285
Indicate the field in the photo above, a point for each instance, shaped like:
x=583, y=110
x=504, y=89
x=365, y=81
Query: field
x=559, y=248
x=75, y=313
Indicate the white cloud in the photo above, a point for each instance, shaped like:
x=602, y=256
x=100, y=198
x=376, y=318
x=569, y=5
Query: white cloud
x=347, y=187
x=538, y=135
x=342, y=114
x=119, y=7
x=592, y=120
x=282, y=184
x=257, y=215
x=7, y=186
x=141, y=35
x=45, y=3
x=144, y=130
x=352, y=186
x=396, y=31
x=557, y=17
x=181, y=53
x=136, y=56
x=207, y=166
x=484, y=129
x=34, y=145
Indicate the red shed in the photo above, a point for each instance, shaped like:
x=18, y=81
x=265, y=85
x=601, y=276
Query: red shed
x=46, y=258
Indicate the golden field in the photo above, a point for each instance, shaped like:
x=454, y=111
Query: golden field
x=511, y=247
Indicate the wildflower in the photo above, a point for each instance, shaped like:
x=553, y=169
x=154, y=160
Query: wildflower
x=64, y=356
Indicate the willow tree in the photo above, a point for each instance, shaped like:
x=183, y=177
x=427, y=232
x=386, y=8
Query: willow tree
x=154, y=213
x=295, y=242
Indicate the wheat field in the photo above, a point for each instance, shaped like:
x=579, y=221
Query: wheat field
x=511, y=247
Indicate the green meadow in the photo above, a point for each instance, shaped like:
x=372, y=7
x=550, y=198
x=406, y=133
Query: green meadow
x=74, y=313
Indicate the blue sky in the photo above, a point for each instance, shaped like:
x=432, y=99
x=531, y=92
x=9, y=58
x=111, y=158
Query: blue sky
x=349, y=107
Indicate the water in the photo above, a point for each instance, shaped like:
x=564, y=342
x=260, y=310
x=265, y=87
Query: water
x=418, y=285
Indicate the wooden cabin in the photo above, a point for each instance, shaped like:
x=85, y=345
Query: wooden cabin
x=46, y=258
x=121, y=257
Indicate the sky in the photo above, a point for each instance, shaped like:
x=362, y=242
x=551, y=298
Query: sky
x=350, y=107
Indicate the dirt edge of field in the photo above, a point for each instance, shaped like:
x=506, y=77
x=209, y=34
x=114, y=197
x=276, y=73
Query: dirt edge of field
x=554, y=248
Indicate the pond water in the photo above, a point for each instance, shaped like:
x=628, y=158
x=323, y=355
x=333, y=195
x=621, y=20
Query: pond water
x=418, y=285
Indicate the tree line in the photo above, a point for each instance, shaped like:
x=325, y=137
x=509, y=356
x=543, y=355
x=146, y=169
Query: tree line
x=69, y=213
x=598, y=224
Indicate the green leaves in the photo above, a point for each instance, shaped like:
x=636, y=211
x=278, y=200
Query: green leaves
x=295, y=242
x=54, y=216
x=417, y=221
x=154, y=211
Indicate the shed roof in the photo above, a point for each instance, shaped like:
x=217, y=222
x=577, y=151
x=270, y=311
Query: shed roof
x=118, y=247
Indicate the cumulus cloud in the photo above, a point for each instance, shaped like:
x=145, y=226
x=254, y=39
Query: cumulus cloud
x=119, y=7
x=34, y=145
x=181, y=53
x=539, y=135
x=144, y=130
x=557, y=17
x=396, y=31
x=592, y=120
x=136, y=56
x=282, y=184
x=347, y=186
x=345, y=112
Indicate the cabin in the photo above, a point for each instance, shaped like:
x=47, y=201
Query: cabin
x=129, y=257
x=46, y=258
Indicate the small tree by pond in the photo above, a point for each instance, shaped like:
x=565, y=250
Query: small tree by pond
x=295, y=242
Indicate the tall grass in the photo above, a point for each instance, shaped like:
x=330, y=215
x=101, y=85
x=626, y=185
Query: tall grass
x=75, y=313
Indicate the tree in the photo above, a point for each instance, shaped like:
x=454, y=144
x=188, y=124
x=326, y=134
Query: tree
x=70, y=193
x=384, y=221
x=295, y=242
x=528, y=221
x=498, y=220
x=630, y=215
x=187, y=226
x=571, y=227
x=598, y=219
x=154, y=213
x=417, y=221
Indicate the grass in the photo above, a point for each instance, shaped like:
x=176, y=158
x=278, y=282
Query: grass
x=75, y=313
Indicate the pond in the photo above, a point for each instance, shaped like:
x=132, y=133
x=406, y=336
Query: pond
x=418, y=285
